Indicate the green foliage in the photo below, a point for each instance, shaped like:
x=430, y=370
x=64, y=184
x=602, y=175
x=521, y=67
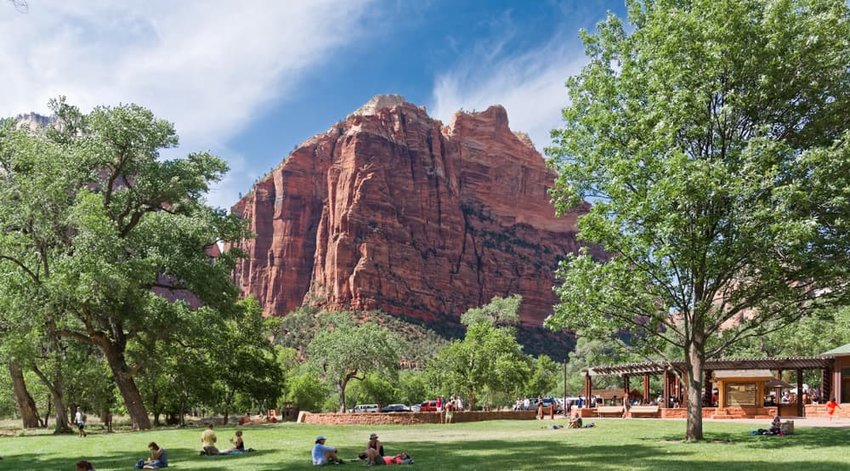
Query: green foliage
x=99, y=229
x=543, y=377
x=813, y=335
x=347, y=351
x=499, y=312
x=300, y=326
x=713, y=138
x=307, y=392
x=413, y=387
x=488, y=361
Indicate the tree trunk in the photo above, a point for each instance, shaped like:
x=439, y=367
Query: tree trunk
x=46, y=420
x=341, y=390
x=694, y=363
x=126, y=385
x=56, y=390
x=26, y=405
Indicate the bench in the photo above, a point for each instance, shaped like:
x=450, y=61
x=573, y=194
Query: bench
x=644, y=411
x=609, y=411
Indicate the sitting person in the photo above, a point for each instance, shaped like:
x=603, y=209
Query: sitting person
x=238, y=445
x=776, y=426
x=208, y=440
x=157, y=460
x=323, y=454
x=575, y=421
x=374, y=450
x=84, y=465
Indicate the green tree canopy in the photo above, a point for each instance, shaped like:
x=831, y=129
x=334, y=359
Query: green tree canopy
x=113, y=240
x=347, y=350
x=487, y=362
x=713, y=139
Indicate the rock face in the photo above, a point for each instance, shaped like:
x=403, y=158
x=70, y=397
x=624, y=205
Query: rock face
x=391, y=210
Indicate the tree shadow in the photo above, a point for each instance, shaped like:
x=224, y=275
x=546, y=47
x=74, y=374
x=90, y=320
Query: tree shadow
x=126, y=460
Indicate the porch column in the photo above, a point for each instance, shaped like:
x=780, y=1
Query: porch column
x=646, y=388
x=666, y=393
x=707, y=392
x=588, y=388
x=825, y=385
x=626, y=397
x=799, y=393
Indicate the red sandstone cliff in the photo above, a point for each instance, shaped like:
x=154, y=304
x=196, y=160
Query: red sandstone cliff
x=390, y=209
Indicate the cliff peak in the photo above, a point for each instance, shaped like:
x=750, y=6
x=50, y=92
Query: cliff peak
x=379, y=102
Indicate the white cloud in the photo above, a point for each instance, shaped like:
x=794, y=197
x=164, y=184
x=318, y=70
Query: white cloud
x=208, y=66
x=530, y=85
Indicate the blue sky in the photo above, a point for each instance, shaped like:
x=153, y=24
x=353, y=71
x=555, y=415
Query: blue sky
x=250, y=80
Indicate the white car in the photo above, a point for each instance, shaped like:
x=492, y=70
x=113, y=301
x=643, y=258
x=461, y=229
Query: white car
x=366, y=408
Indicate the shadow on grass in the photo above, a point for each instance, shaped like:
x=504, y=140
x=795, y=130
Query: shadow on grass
x=511, y=455
x=809, y=437
x=122, y=460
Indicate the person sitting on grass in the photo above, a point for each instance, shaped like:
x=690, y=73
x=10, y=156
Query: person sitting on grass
x=157, y=460
x=776, y=426
x=575, y=421
x=238, y=445
x=84, y=465
x=208, y=440
x=374, y=450
x=323, y=454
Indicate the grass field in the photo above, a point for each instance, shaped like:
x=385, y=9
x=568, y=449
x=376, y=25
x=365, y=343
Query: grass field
x=496, y=445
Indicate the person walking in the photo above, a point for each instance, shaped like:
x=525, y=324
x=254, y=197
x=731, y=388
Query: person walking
x=830, y=408
x=80, y=420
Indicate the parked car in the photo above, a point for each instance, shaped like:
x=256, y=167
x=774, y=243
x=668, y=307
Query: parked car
x=415, y=408
x=428, y=406
x=366, y=408
x=396, y=408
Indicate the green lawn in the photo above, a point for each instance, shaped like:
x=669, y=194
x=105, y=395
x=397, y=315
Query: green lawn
x=612, y=444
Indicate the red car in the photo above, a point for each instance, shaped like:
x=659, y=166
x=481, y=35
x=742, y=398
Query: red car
x=428, y=406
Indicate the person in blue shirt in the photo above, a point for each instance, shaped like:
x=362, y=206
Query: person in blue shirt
x=323, y=454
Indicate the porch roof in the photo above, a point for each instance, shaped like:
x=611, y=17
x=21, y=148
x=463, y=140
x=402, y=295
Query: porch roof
x=767, y=363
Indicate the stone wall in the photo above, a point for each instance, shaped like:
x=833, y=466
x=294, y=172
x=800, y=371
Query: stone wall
x=408, y=418
x=819, y=410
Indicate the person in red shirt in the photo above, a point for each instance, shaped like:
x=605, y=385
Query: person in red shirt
x=830, y=408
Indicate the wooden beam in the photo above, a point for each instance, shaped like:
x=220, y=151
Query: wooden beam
x=799, y=393
x=646, y=399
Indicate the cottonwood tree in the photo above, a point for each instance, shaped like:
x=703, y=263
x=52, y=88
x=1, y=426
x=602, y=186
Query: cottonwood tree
x=712, y=137
x=349, y=351
x=488, y=361
x=117, y=240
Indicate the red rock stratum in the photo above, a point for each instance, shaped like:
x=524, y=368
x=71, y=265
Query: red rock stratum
x=392, y=210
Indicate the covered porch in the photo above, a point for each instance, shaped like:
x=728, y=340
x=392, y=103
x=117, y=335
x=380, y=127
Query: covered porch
x=733, y=387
